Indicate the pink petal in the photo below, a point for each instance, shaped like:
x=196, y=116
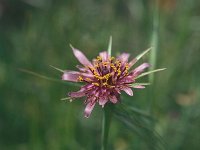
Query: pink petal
x=124, y=57
x=71, y=76
x=81, y=57
x=102, y=101
x=77, y=94
x=87, y=86
x=88, y=109
x=127, y=79
x=113, y=99
x=140, y=69
x=132, y=62
x=74, y=75
x=83, y=69
x=128, y=91
x=104, y=55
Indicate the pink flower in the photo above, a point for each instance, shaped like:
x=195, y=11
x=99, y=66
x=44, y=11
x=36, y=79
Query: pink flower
x=105, y=77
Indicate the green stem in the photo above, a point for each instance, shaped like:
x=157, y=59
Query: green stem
x=154, y=39
x=107, y=116
x=154, y=44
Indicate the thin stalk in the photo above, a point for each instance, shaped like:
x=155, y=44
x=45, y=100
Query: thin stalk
x=154, y=45
x=110, y=46
x=107, y=116
x=154, y=39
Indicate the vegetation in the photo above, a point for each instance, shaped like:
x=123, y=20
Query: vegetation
x=35, y=34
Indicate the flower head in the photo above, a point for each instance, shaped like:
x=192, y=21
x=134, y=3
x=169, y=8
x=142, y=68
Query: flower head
x=105, y=77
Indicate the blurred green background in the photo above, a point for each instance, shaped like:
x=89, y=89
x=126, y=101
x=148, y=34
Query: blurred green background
x=36, y=33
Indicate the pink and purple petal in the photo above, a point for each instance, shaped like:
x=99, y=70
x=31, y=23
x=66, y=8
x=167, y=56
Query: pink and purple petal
x=132, y=62
x=81, y=57
x=102, y=101
x=139, y=69
x=123, y=57
x=113, y=99
x=71, y=76
x=74, y=75
x=104, y=56
x=77, y=94
x=128, y=91
x=88, y=109
x=127, y=79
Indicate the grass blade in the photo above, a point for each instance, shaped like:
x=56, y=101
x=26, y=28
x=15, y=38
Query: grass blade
x=47, y=78
x=137, y=84
x=142, y=54
x=57, y=69
x=110, y=46
x=150, y=72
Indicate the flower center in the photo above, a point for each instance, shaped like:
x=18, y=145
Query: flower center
x=107, y=73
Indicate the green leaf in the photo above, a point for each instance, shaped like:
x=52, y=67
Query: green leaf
x=110, y=46
x=149, y=72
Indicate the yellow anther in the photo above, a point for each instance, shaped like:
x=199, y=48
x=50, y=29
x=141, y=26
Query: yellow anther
x=99, y=58
x=118, y=63
x=106, y=76
x=113, y=67
x=126, y=69
x=96, y=74
x=119, y=72
x=112, y=58
x=91, y=68
x=105, y=84
x=127, y=66
x=80, y=78
x=97, y=84
x=88, y=79
x=96, y=65
x=105, y=63
x=110, y=86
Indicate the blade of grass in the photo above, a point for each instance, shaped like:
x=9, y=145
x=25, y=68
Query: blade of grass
x=47, y=78
x=143, y=53
x=110, y=46
x=57, y=69
x=149, y=72
x=137, y=84
x=154, y=39
x=132, y=62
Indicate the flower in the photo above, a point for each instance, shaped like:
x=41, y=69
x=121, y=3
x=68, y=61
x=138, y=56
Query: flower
x=105, y=77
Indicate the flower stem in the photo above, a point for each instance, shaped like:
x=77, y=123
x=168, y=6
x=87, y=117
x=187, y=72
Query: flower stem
x=107, y=116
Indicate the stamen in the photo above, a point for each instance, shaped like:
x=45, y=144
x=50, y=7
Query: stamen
x=119, y=72
x=80, y=78
x=126, y=69
x=88, y=79
x=111, y=58
x=102, y=71
x=97, y=84
x=113, y=67
x=105, y=63
x=99, y=58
